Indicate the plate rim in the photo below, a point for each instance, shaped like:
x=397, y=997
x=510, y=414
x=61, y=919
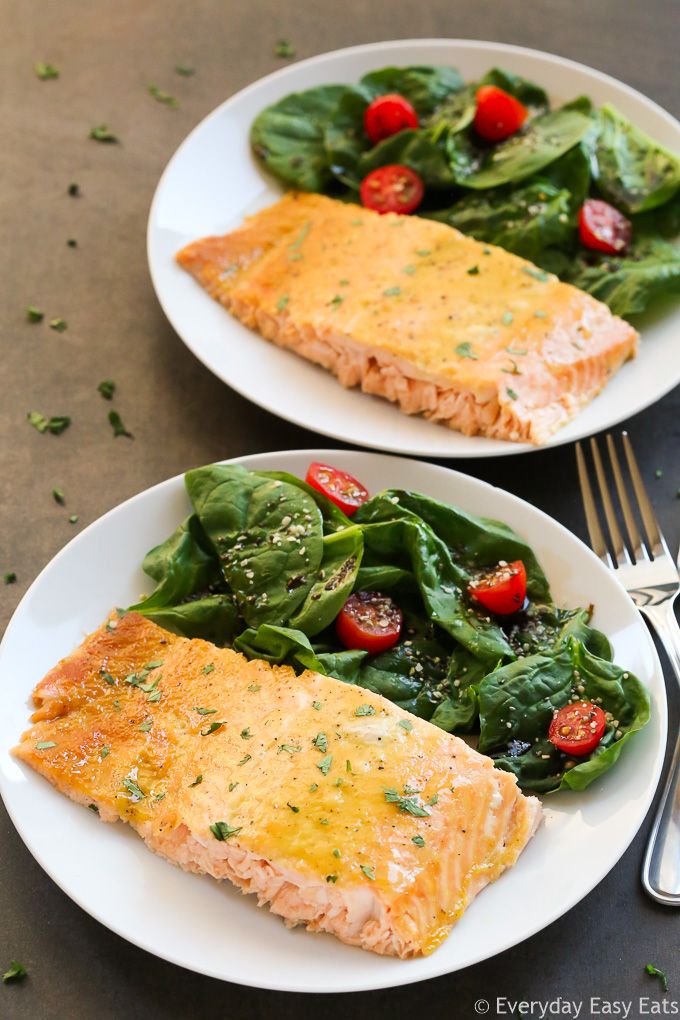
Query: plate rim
x=405, y=975
x=505, y=448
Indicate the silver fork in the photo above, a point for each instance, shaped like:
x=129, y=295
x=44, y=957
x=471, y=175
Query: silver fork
x=650, y=576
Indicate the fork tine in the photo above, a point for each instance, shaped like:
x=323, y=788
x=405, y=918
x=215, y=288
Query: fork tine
x=637, y=545
x=656, y=539
x=620, y=550
x=594, y=530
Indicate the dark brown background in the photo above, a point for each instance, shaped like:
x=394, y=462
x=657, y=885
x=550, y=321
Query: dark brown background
x=108, y=53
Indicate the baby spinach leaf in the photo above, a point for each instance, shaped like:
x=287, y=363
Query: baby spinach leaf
x=571, y=173
x=407, y=674
x=418, y=149
x=345, y=136
x=341, y=556
x=543, y=140
x=183, y=564
x=214, y=618
x=456, y=113
x=425, y=87
x=633, y=171
x=385, y=578
x=278, y=645
x=517, y=703
x=459, y=709
x=333, y=517
x=529, y=94
x=344, y=665
x=627, y=283
x=267, y=535
x=522, y=220
x=288, y=137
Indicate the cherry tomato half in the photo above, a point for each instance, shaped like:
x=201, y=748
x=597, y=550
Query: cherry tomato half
x=369, y=620
x=604, y=228
x=498, y=113
x=387, y=115
x=577, y=728
x=503, y=589
x=392, y=188
x=343, y=489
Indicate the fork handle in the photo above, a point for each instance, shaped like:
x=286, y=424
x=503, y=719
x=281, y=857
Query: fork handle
x=661, y=867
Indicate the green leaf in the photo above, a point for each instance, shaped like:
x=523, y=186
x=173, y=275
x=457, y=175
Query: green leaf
x=418, y=840
x=163, y=97
x=321, y=742
x=223, y=831
x=653, y=972
x=212, y=728
x=632, y=170
x=417, y=149
x=107, y=388
x=213, y=618
x=267, y=534
x=340, y=560
x=325, y=764
x=101, y=133
x=197, y=780
x=288, y=137
x=55, y=425
x=133, y=788
x=529, y=94
x=541, y=142
x=116, y=423
x=15, y=973
x=10, y=578
x=364, y=710
x=34, y=314
x=369, y=871
x=46, y=72
x=185, y=564
x=284, y=50
x=405, y=802
x=184, y=71
x=628, y=283
x=42, y=745
x=279, y=646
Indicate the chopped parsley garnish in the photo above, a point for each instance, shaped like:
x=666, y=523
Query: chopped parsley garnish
x=405, y=802
x=364, y=710
x=518, y=353
x=313, y=787
x=465, y=351
x=107, y=388
x=107, y=676
x=418, y=840
x=15, y=973
x=357, y=223
x=208, y=669
x=537, y=274
x=433, y=800
x=74, y=190
x=34, y=314
x=133, y=788
x=512, y=371
x=154, y=696
x=336, y=301
x=423, y=251
x=540, y=315
x=405, y=724
x=369, y=871
x=336, y=852
x=487, y=251
x=93, y=807
x=104, y=751
x=338, y=782
x=46, y=72
x=116, y=706
x=325, y=764
x=321, y=742
x=292, y=807
x=54, y=425
x=282, y=302
x=116, y=424
x=43, y=744
x=473, y=271
x=291, y=748
x=254, y=687
x=344, y=283
x=302, y=235
x=145, y=727
x=655, y=972
x=205, y=711
x=511, y=394
x=316, y=705
x=284, y=49
x=163, y=97
x=244, y=760
x=213, y=728
x=324, y=821
x=507, y=318
x=101, y=133
x=58, y=496
x=197, y=780
x=59, y=325
x=11, y=577
x=392, y=292
x=348, y=766
x=159, y=796
x=222, y=831
x=410, y=270
x=185, y=72
x=246, y=734
x=331, y=878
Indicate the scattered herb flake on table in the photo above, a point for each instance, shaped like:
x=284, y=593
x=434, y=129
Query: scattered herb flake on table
x=10, y=577
x=223, y=831
x=284, y=50
x=46, y=72
x=34, y=314
x=101, y=133
x=59, y=496
x=163, y=97
x=116, y=423
x=58, y=325
x=184, y=71
x=74, y=190
x=15, y=973
x=655, y=972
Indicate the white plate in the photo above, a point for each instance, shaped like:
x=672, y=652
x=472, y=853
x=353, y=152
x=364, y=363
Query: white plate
x=212, y=182
x=212, y=928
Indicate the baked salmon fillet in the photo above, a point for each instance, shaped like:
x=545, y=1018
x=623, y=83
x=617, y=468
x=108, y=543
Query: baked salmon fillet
x=412, y=310
x=338, y=809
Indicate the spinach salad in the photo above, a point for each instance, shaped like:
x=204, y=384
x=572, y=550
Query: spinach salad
x=525, y=192
x=266, y=563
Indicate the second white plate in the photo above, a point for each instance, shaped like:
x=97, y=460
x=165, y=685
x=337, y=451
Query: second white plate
x=213, y=929
x=213, y=182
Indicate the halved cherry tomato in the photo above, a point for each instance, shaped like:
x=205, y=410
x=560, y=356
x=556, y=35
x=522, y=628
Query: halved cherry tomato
x=369, y=620
x=498, y=114
x=604, y=228
x=343, y=489
x=577, y=728
x=387, y=115
x=503, y=590
x=392, y=188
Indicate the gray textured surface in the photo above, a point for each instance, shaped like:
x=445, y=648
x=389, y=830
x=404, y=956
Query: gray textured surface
x=108, y=54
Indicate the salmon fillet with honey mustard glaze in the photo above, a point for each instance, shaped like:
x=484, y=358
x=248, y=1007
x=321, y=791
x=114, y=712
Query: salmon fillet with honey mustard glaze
x=412, y=310
x=331, y=804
